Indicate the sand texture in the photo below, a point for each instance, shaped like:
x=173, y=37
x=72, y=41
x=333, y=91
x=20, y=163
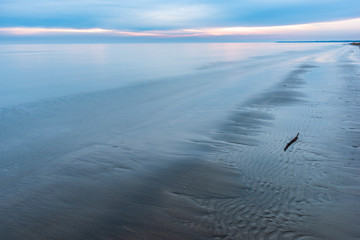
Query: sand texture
x=199, y=156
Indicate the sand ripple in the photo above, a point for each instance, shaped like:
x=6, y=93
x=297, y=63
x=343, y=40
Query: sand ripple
x=283, y=189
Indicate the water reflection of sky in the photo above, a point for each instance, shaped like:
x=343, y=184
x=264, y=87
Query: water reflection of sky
x=31, y=72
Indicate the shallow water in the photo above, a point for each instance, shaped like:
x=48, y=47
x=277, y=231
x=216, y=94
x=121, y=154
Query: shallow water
x=179, y=141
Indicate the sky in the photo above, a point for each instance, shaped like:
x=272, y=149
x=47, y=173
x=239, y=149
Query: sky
x=178, y=21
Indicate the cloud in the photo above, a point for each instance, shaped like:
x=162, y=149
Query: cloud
x=313, y=31
x=160, y=16
x=135, y=14
x=177, y=15
x=138, y=15
x=23, y=31
x=279, y=12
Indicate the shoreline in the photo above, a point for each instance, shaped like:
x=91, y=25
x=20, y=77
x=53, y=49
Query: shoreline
x=154, y=180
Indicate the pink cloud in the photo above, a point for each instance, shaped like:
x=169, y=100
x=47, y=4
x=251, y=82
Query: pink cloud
x=316, y=29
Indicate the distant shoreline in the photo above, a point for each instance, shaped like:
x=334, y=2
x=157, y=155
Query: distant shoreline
x=330, y=41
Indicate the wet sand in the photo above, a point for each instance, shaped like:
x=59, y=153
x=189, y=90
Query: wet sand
x=230, y=180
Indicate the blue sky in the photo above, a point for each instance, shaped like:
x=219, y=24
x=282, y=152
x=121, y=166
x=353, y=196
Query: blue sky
x=169, y=20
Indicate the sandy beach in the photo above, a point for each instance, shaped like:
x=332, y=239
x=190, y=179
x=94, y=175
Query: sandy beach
x=194, y=156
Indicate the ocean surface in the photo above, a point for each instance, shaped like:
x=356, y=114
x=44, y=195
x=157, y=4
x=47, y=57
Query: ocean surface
x=180, y=141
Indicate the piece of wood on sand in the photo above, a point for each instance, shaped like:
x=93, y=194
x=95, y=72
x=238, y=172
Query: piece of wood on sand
x=291, y=142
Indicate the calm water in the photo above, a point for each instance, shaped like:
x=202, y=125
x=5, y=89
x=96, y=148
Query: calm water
x=179, y=141
x=33, y=72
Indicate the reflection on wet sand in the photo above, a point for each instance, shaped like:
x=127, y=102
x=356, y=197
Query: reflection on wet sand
x=132, y=170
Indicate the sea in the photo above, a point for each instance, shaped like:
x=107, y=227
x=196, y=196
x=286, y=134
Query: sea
x=180, y=141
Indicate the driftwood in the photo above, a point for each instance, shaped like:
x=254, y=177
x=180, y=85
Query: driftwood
x=291, y=142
